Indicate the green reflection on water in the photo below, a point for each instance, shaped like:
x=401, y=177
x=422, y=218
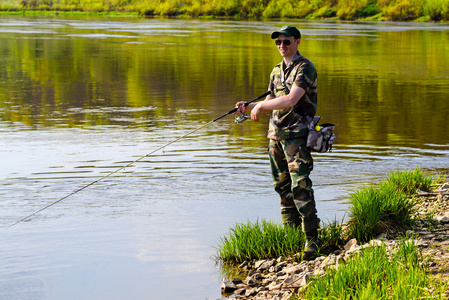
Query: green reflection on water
x=380, y=84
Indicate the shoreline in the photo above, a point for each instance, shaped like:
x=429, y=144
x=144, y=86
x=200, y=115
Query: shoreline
x=281, y=278
x=137, y=14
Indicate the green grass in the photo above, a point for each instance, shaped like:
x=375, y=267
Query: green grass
x=409, y=182
x=388, y=207
x=373, y=210
x=375, y=273
x=331, y=236
x=259, y=240
x=376, y=210
x=265, y=239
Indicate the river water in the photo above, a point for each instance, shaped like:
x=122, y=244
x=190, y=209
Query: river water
x=82, y=97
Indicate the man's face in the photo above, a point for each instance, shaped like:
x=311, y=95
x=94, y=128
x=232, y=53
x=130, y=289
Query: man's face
x=285, y=50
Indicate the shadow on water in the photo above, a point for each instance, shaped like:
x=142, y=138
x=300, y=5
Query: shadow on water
x=84, y=97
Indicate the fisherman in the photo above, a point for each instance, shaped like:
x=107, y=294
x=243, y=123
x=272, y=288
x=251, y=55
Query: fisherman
x=293, y=86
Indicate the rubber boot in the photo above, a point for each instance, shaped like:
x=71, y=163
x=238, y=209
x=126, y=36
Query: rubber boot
x=311, y=245
x=290, y=217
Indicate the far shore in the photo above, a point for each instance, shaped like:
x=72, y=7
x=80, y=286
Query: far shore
x=408, y=11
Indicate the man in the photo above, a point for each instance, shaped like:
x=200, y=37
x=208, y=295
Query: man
x=293, y=95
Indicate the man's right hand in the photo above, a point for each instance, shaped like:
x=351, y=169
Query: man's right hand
x=241, y=108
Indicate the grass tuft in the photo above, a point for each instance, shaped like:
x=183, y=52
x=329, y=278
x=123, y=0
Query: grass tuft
x=388, y=207
x=259, y=240
x=377, y=273
x=409, y=182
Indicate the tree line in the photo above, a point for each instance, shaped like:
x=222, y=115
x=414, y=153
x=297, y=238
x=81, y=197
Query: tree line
x=378, y=10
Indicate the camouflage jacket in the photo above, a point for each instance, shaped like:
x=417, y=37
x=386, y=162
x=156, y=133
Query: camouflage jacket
x=288, y=123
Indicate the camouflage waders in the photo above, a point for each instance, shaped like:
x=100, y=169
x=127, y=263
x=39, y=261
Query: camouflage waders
x=291, y=164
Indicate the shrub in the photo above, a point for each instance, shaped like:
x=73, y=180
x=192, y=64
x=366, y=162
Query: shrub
x=323, y=12
x=253, y=8
x=437, y=10
x=167, y=8
x=350, y=9
x=287, y=9
x=403, y=10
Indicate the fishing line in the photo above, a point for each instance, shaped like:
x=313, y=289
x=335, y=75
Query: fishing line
x=133, y=162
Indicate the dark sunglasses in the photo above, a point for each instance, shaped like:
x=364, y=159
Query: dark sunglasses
x=286, y=42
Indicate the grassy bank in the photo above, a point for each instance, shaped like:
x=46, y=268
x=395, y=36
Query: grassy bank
x=395, y=10
x=373, y=273
x=385, y=208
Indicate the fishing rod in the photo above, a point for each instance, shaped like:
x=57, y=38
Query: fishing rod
x=137, y=160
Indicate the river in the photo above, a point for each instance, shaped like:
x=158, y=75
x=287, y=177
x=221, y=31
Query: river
x=82, y=97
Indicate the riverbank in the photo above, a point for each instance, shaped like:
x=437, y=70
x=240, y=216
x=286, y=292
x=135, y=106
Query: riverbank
x=397, y=10
x=283, y=278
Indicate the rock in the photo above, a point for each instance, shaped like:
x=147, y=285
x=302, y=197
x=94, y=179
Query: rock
x=443, y=218
x=259, y=263
x=375, y=242
x=296, y=281
x=422, y=243
x=293, y=282
x=349, y=244
x=330, y=260
x=250, y=293
x=257, y=276
x=240, y=291
x=250, y=281
x=274, y=286
x=227, y=286
x=243, y=265
x=268, y=280
x=280, y=259
x=280, y=266
x=443, y=188
x=381, y=236
x=286, y=296
x=294, y=270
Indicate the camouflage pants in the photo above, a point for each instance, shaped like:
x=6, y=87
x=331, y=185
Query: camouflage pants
x=291, y=164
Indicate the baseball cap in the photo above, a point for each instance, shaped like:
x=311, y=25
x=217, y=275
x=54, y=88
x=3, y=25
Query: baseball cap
x=287, y=30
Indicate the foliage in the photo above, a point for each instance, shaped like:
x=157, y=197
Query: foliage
x=403, y=10
x=253, y=8
x=353, y=9
x=437, y=10
x=288, y=8
x=377, y=273
x=323, y=12
x=397, y=10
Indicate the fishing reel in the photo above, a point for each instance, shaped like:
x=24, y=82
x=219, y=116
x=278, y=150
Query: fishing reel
x=240, y=119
